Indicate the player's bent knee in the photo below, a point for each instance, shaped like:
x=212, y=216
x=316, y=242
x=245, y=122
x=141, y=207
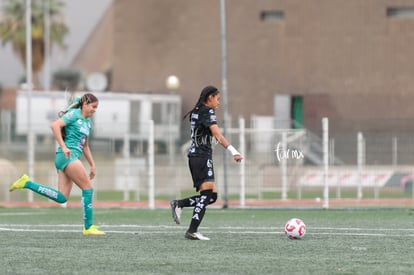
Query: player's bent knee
x=213, y=198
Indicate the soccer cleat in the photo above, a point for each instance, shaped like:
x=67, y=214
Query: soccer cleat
x=20, y=183
x=195, y=236
x=176, y=211
x=93, y=230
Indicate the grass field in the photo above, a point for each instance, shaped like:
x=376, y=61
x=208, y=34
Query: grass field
x=140, y=241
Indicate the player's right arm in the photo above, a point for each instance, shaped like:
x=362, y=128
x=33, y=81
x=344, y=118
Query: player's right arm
x=56, y=127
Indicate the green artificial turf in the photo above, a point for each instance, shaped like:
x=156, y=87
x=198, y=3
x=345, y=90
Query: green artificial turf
x=243, y=241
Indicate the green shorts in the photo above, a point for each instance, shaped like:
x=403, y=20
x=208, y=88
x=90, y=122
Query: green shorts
x=61, y=161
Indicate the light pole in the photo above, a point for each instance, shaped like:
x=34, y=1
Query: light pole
x=46, y=39
x=173, y=83
x=30, y=134
x=223, y=40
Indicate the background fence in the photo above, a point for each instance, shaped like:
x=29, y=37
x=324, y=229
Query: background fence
x=281, y=165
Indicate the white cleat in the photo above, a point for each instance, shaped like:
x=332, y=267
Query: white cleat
x=195, y=236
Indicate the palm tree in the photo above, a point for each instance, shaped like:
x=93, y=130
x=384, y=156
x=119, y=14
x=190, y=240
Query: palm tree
x=13, y=29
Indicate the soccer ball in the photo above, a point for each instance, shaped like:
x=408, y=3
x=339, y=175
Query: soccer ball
x=295, y=229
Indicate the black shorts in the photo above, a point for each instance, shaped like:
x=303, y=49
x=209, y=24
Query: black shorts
x=201, y=169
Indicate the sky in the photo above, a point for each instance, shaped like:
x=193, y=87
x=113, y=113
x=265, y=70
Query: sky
x=81, y=18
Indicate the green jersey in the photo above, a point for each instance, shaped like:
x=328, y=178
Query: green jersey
x=77, y=130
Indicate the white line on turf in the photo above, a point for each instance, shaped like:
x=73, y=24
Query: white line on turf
x=165, y=229
x=22, y=214
x=363, y=229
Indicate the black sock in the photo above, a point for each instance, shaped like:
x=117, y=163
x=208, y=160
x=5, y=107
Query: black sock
x=200, y=209
x=187, y=202
x=191, y=201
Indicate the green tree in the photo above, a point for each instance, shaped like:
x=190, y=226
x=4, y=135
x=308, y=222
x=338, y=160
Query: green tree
x=13, y=29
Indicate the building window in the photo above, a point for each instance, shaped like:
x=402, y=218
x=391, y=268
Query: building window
x=272, y=16
x=400, y=12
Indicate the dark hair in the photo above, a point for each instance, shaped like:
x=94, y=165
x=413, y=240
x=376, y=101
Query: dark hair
x=76, y=104
x=205, y=93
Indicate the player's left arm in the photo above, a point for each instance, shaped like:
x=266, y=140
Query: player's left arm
x=88, y=155
x=215, y=131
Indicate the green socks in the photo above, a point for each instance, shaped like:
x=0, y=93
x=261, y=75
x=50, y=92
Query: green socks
x=46, y=191
x=58, y=197
x=87, y=208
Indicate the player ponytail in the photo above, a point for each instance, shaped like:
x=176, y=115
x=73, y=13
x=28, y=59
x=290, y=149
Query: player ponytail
x=78, y=102
x=205, y=93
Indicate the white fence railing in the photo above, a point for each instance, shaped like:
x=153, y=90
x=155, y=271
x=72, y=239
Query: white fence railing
x=279, y=164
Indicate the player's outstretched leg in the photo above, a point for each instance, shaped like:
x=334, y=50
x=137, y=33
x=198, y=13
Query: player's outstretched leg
x=177, y=205
x=24, y=182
